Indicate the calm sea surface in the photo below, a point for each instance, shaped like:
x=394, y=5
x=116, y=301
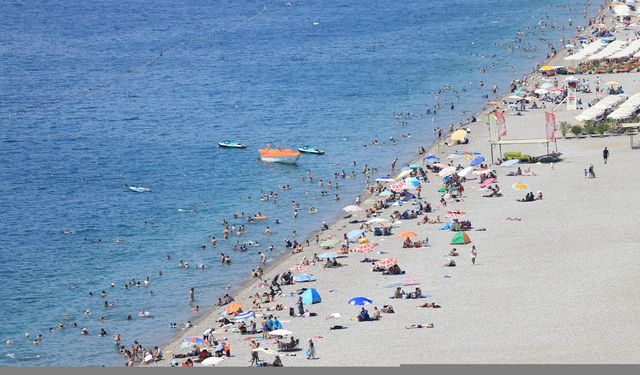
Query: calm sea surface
x=97, y=95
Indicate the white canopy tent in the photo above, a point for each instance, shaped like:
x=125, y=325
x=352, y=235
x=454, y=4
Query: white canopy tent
x=613, y=47
x=600, y=108
x=626, y=109
x=586, y=51
x=628, y=51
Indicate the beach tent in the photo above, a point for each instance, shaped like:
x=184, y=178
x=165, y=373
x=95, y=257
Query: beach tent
x=310, y=296
x=461, y=238
x=445, y=226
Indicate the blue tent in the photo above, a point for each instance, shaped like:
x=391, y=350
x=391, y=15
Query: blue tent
x=303, y=278
x=310, y=296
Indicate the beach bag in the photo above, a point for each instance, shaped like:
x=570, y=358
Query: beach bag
x=292, y=311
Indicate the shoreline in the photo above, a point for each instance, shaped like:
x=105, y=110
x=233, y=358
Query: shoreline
x=479, y=130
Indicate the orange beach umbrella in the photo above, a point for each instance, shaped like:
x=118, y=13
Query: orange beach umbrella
x=233, y=307
x=407, y=234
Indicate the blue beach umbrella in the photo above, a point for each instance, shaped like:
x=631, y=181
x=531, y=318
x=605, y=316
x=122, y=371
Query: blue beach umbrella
x=327, y=256
x=412, y=183
x=360, y=301
x=304, y=278
x=416, y=166
x=432, y=159
x=407, y=168
x=477, y=160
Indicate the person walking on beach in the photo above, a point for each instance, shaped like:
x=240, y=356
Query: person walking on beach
x=311, y=350
x=192, y=294
x=592, y=173
x=474, y=253
x=605, y=155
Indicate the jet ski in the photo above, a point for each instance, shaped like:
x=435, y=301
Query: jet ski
x=231, y=144
x=311, y=150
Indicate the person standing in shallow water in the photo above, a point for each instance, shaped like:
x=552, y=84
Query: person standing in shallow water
x=192, y=294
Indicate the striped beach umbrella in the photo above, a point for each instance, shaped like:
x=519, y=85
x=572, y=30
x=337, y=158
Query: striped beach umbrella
x=243, y=316
x=364, y=248
x=397, y=186
x=387, y=262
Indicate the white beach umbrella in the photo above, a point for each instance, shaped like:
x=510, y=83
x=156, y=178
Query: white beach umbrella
x=465, y=171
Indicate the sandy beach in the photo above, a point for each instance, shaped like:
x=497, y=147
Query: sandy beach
x=558, y=285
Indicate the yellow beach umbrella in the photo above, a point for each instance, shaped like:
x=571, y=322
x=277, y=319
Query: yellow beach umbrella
x=403, y=174
x=459, y=135
x=520, y=186
x=545, y=68
x=612, y=83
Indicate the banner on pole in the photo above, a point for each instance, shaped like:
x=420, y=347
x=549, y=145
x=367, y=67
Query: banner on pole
x=550, y=118
x=502, y=125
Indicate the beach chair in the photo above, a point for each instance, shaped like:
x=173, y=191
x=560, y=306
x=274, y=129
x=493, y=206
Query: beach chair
x=288, y=346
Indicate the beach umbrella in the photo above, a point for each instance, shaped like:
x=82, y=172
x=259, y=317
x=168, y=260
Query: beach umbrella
x=454, y=214
x=412, y=183
x=460, y=238
x=397, y=186
x=541, y=91
x=212, y=361
x=459, y=135
x=482, y=171
x=477, y=160
x=243, y=316
x=352, y=208
x=571, y=79
x=407, y=234
x=384, y=179
x=487, y=182
x=582, y=37
x=385, y=193
x=387, y=262
x=455, y=155
x=360, y=301
x=327, y=256
x=298, y=268
x=546, y=68
x=233, y=307
x=447, y=171
x=404, y=173
x=441, y=165
x=353, y=235
x=364, y=248
x=416, y=166
x=465, y=171
x=304, y=278
x=442, y=190
x=612, y=83
x=546, y=85
x=405, y=168
x=194, y=340
x=266, y=351
x=509, y=163
x=377, y=220
x=570, y=46
x=431, y=159
x=410, y=282
x=520, y=186
x=281, y=332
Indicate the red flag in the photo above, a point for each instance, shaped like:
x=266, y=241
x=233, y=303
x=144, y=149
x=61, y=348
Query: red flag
x=502, y=125
x=550, y=118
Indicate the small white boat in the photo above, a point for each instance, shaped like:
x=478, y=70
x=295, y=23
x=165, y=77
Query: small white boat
x=311, y=150
x=231, y=144
x=140, y=189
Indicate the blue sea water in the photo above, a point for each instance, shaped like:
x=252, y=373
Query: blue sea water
x=96, y=95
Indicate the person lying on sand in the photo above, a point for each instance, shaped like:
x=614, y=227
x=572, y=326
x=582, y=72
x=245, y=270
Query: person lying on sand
x=387, y=309
x=450, y=263
x=430, y=305
x=399, y=293
x=454, y=252
x=513, y=219
x=416, y=326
